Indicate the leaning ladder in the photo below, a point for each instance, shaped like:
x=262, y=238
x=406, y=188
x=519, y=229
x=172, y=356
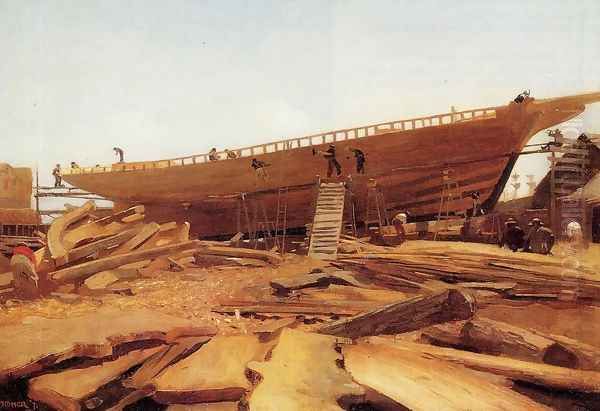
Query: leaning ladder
x=450, y=192
x=281, y=217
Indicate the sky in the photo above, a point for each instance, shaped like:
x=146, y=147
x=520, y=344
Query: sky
x=168, y=79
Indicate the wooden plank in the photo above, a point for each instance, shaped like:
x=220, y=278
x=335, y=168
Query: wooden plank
x=103, y=279
x=545, y=375
x=400, y=317
x=423, y=384
x=147, y=231
x=302, y=374
x=169, y=355
x=286, y=308
x=85, y=270
x=216, y=372
x=64, y=390
x=267, y=256
x=102, y=244
x=178, y=234
x=58, y=249
x=92, y=335
x=288, y=284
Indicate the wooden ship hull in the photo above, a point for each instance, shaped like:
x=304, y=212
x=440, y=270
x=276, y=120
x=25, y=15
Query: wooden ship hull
x=406, y=158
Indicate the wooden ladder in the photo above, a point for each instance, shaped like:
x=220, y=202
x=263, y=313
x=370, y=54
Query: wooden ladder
x=328, y=220
x=281, y=218
x=376, y=210
x=450, y=192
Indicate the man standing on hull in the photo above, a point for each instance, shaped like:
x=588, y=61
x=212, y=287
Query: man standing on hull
x=332, y=163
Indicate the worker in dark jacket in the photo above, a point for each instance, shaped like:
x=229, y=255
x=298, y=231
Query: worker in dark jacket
x=360, y=160
x=512, y=236
x=119, y=153
x=539, y=239
x=332, y=163
x=57, y=176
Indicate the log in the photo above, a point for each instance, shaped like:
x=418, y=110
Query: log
x=587, y=356
x=59, y=249
x=102, y=244
x=545, y=375
x=423, y=384
x=267, y=256
x=147, y=231
x=92, y=335
x=82, y=271
x=302, y=374
x=64, y=390
x=169, y=355
x=498, y=338
x=407, y=315
x=447, y=334
x=214, y=373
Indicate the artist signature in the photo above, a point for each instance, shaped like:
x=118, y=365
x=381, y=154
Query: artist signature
x=18, y=405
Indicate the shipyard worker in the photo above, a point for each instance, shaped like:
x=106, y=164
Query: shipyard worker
x=119, y=152
x=521, y=97
x=583, y=138
x=259, y=167
x=231, y=154
x=332, y=163
x=360, y=160
x=398, y=221
x=475, y=196
x=23, y=249
x=212, y=154
x=74, y=164
x=57, y=176
x=539, y=239
x=512, y=236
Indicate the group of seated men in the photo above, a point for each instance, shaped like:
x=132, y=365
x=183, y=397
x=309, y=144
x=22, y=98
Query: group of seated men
x=539, y=239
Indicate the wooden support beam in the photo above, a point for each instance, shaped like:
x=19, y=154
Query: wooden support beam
x=400, y=317
x=82, y=271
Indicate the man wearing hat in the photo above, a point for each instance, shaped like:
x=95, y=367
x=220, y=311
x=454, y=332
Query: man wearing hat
x=539, y=239
x=512, y=235
x=332, y=163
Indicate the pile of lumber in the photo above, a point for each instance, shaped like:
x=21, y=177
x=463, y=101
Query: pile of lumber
x=428, y=265
x=96, y=253
x=381, y=328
